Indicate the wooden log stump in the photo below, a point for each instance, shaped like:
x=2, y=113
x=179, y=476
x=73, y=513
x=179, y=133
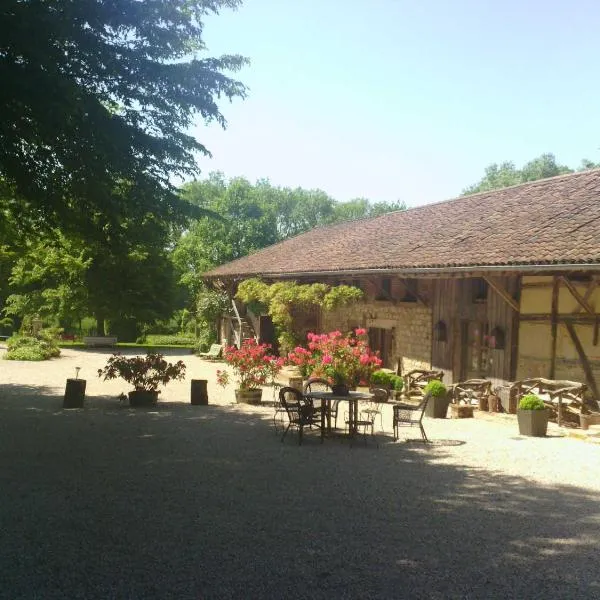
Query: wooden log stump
x=74, y=393
x=199, y=392
x=461, y=411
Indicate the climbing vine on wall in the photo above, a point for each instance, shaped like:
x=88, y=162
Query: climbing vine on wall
x=279, y=299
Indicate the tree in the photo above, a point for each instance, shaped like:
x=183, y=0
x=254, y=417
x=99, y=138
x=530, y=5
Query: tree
x=99, y=91
x=506, y=174
x=253, y=217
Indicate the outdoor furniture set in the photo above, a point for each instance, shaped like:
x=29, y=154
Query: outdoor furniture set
x=317, y=406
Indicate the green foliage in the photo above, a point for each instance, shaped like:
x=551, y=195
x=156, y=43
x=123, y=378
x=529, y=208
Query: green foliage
x=280, y=299
x=381, y=378
x=210, y=304
x=169, y=340
x=127, y=79
x=206, y=337
x=143, y=372
x=397, y=383
x=506, y=174
x=531, y=402
x=34, y=348
x=386, y=379
x=254, y=216
x=435, y=388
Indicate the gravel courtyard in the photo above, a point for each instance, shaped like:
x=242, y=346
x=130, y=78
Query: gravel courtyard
x=205, y=502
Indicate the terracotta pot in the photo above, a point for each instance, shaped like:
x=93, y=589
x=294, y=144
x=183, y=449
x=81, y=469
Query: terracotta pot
x=252, y=396
x=142, y=398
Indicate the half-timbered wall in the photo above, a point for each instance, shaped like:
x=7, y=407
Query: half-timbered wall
x=563, y=346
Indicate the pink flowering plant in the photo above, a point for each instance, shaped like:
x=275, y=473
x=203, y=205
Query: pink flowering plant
x=343, y=359
x=252, y=364
x=145, y=373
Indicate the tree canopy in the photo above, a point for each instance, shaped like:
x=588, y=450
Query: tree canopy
x=99, y=91
x=255, y=216
x=506, y=174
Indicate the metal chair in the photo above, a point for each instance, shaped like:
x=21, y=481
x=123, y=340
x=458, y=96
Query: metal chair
x=279, y=412
x=410, y=415
x=380, y=396
x=300, y=411
x=317, y=384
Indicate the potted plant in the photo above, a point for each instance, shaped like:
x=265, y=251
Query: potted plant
x=437, y=406
x=532, y=416
x=145, y=373
x=253, y=367
x=397, y=386
x=345, y=360
x=382, y=379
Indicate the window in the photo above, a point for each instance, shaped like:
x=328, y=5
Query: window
x=440, y=332
x=496, y=339
x=410, y=291
x=479, y=290
x=385, y=289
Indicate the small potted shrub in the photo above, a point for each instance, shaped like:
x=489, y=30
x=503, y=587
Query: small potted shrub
x=145, y=373
x=437, y=407
x=397, y=386
x=381, y=379
x=532, y=416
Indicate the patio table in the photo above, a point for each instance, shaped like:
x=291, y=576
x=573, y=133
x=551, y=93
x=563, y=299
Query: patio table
x=328, y=397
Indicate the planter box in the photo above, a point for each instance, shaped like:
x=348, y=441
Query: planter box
x=248, y=396
x=74, y=393
x=533, y=422
x=437, y=406
x=142, y=398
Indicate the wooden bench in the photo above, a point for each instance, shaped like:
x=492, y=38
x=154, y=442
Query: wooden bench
x=417, y=379
x=564, y=398
x=100, y=341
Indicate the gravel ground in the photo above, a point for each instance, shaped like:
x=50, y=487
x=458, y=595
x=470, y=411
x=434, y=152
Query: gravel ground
x=205, y=502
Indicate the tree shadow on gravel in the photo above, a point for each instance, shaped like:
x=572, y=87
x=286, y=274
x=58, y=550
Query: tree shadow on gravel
x=206, y=502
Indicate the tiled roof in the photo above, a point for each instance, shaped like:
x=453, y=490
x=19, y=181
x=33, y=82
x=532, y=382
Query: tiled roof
x=551, y=221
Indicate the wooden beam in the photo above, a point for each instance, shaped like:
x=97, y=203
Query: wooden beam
x=592, y=285
x=416, y=294
x=497, y=287
x=582, y=301
x=587, y=369
x=568, y=318
x=554, y=326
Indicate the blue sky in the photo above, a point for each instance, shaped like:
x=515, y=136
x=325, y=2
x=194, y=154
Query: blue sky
x=398, y=99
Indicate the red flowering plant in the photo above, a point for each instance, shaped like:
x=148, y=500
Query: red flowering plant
x=252, y=364
x=343, y=359
x=145, y=373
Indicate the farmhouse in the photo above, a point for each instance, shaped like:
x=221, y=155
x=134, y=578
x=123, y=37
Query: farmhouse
x=500, y=284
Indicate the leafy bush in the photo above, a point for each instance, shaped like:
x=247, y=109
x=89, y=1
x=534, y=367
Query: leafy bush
x=206, y=338
x=169, y=340
x=381, y=379
x=397, y=383
x=145, y=373
x=531, y=402
x=26, y=347
x=435, y=388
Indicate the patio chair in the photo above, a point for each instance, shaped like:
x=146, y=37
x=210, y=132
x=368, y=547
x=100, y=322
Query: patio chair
x=317, y=384
x=299, y=410
x=279, y=412
x=410, y=415
x=417, y=379
x=214, y=353
x=380, y=396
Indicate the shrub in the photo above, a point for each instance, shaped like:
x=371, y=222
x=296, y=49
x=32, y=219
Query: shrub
x=381, y=379
x=26, y=347
x=252, y=365
x=145, y=373
x=531, y=402
x=397, y=383
x=435, y=388
x=169, y=340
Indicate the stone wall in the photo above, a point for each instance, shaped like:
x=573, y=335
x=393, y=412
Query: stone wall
x=409, y=322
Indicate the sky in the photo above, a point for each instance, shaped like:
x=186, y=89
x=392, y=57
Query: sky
x=404, y=100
